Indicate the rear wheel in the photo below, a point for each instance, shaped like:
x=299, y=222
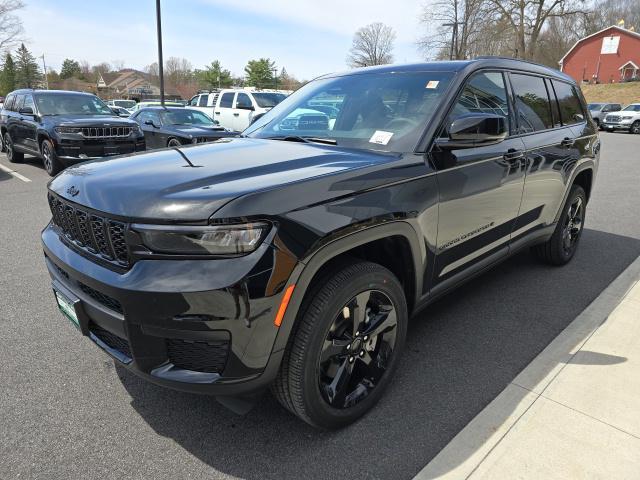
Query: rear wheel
x=49, y=158
x=12, y=155
x=635, y=128
x=344, y=347
x=562, y=245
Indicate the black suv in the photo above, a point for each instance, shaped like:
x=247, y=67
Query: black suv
x=63, y=128
x=293, y=256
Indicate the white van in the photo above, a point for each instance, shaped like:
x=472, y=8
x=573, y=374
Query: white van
x=234, y=108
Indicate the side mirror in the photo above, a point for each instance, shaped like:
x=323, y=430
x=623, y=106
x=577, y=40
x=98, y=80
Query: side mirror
x=474, y=130
x=245, y=107
x=26, y=111
x=150, y=122
x=255, y=118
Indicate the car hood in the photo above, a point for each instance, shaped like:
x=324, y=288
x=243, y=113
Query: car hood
x=90, y=120
x=190, y=183
x=196, y=130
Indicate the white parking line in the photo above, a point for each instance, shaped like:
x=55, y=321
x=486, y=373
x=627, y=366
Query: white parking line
x=14, y=173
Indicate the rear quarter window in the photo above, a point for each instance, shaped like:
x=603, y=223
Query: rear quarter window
x=569, y=103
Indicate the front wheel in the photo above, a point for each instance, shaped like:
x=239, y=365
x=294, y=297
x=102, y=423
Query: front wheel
x=562, y=245
x=50, y=159
x=635, y=128
x=344, y=347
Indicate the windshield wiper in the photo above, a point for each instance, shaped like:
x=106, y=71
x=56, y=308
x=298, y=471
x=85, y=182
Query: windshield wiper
x=297, y=138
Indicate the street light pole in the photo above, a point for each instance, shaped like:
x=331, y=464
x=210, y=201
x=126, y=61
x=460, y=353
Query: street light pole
x=160, y=68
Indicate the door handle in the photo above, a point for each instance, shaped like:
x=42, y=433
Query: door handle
x=567, y=142
x=513, y=154
x=217, y=113
x=236, y=114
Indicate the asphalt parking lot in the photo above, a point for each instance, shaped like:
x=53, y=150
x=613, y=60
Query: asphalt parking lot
x=66, y=411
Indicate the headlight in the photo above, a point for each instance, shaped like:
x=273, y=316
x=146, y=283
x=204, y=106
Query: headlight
x=68, y=129
x=206, y=240
x=137, y=130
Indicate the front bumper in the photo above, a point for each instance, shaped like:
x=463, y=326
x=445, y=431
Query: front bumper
x=615, y=126
x=73, y=150
x=203, y=326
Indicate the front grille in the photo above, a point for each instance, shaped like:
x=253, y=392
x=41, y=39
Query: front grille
x=106, y=132
x=103, y=299
x=613, y=118
x=95, y=234
x=111, y=339
x=208, y=357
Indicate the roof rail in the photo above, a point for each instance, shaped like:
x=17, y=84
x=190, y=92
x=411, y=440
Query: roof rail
x=501, y=57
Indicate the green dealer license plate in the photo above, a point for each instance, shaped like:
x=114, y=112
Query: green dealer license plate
x=67, y=309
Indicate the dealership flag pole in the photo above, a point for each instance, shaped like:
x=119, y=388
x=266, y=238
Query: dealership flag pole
x=160, y=70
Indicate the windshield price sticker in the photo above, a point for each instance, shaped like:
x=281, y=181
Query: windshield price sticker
x=432, y=84
x=381, y=137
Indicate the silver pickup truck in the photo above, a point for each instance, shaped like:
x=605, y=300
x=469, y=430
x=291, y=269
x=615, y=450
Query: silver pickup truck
x=626, y=119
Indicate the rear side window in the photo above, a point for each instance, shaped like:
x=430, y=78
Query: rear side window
x=532, y=103
x=17, y=105
x=569, y=102
x=484, y=93
x=28, y=102
x=226, y=101
x=203, y=100
x=9, y=102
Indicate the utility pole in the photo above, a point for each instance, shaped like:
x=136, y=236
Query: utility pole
x=454, y=35
x=46, y=78
x=160, y=63
x=275, y=77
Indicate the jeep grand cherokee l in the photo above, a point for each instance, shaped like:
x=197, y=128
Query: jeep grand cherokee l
x=63, y=128
x=292, y=258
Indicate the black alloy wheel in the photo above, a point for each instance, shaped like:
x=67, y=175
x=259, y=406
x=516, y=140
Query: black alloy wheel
x=344, y=346
x=12, y=155
x=573, y=225
x=357, y=349
x=50, y=158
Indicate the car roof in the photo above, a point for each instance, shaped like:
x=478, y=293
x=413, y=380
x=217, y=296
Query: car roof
x=459, y=65
x=51, y=92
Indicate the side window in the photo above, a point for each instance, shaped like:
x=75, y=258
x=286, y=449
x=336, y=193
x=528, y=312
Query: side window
x=532, y=103
x=28, y=102
x=203, y=100
x=616, y=107
x=243, y=101
x=18, y=103
x=8, y=103
x=226, y=101
x=194, y=101
x=569, y=102
x=484, y=93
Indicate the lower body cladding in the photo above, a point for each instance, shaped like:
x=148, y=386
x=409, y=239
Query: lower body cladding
x=74, y=151
x=201, y=326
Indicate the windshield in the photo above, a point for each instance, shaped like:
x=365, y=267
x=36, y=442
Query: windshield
x=595, y=106
x=632, y=108
x=375, y=111
x=71, y=104
x=186, y=117
x=124, y=103
x=268, y=100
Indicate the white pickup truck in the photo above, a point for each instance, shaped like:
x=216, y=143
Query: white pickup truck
x=626, y=119
x=234, y=108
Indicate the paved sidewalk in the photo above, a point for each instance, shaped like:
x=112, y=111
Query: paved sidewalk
x=573, y=413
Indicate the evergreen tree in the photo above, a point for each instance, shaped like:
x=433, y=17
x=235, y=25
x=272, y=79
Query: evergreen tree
x=260, y=73
x=7, y=75
x=214, y=76
x=28, y=74
x=70, y=68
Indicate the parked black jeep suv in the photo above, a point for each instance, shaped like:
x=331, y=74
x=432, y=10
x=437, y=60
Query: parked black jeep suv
x=293, y=257
x=63, y=128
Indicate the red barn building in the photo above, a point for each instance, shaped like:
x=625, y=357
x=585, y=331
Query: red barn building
x=610, y=55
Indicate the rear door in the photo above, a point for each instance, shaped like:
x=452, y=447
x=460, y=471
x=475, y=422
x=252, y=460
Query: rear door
x=480, y=187
x=14, y=122
x=552, y=152
x=28, y=125
x=224, y=111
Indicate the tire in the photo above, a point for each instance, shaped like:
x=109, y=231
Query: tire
x=50, y=159
x=635, y=127
x=173, y=143
x=12, y=155
x=330, y=337
x=562, y=245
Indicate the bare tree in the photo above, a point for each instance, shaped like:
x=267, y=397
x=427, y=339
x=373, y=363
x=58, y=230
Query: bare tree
x=177, y=71
x=372, y=45
x=459, y=28
x=117, y=64
x=10, y=24
x=527, y=19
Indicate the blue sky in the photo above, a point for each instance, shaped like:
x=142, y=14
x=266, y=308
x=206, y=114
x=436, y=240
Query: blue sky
x=309, y=38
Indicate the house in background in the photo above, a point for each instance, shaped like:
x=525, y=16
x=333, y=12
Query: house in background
x=608, y=56
x=132, y=84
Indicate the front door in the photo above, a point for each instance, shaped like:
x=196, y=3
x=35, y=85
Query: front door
x=241, y=112
x=29, y=126
x=480, y=188
x=224, y=112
